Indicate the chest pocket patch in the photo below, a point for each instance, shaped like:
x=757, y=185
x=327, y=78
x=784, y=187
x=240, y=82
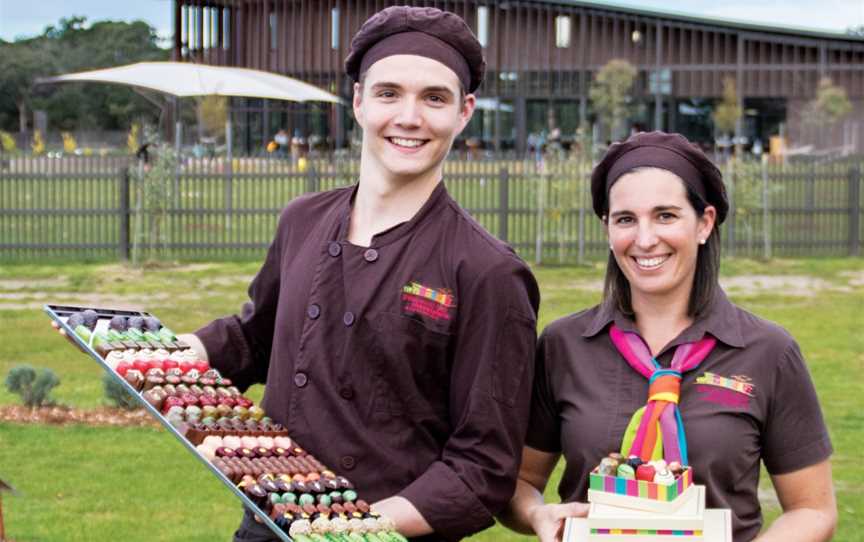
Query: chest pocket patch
x=435, y=304
x=735, y=392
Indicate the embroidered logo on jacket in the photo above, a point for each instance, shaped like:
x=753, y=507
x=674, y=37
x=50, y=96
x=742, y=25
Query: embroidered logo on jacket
x=437, y=304
x=734, y=391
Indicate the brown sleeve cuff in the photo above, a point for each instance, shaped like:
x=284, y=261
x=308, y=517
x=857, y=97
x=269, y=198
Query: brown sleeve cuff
x=813, y=453
x=447, y=504
x=228, y=351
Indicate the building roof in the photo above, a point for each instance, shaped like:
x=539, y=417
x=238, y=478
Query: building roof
x=707, y=20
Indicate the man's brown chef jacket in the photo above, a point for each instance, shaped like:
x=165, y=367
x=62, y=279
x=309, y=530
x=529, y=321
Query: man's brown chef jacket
x=406, y=365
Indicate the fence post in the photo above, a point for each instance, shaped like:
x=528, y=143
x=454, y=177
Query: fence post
x=730, y=230
x=766, y=215
x=123, y=180
x=503, y=203
x=312, y=183
x=854, y=211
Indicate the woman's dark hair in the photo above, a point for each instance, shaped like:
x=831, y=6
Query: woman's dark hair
x=616, y=287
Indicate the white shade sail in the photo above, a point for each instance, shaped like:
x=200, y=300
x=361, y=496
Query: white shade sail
x=184, y=79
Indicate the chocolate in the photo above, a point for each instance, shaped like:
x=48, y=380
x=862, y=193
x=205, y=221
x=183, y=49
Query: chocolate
x=135, y=379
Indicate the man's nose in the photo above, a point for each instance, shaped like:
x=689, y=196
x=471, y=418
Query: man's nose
x=409, y=114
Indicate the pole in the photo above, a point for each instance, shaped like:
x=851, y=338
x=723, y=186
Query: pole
x=766, y=215
x=124, y=215
x=503, y=203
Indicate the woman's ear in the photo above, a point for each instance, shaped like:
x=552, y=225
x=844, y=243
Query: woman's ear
x=706, y=224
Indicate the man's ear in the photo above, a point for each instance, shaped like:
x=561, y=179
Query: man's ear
x=466, y=110
x=357, y=102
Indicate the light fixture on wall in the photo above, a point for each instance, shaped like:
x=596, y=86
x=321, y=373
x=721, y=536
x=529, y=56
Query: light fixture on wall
x=636, y=37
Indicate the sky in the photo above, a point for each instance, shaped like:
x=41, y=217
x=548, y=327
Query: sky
x=25, y=19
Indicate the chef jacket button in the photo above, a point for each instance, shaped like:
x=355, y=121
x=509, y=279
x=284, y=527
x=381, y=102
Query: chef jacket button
x=346, y=393
x=314, y=311
x=347, y=462
x=300, y=379
x=334, y=248
x=348, y=318
x=371, y=255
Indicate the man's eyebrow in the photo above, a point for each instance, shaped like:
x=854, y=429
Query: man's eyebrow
x=441, y=89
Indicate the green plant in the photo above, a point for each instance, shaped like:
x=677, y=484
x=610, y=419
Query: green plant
x=117, y=395
x=34, y=388
x=610, y=93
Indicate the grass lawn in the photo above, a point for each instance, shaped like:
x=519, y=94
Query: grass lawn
x=85, y=483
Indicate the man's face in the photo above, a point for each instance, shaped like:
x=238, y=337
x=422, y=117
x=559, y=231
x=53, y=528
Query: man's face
x=410, y=110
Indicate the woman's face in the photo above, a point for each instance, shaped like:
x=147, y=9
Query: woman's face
x=655, y=232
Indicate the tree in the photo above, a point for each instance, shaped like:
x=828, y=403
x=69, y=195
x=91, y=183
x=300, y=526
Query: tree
x=830, y=106
x=73, y=46
x=610, y=93
x=729, y=110
x=213, y=114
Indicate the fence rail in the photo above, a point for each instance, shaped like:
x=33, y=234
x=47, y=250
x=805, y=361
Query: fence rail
x=96, y=208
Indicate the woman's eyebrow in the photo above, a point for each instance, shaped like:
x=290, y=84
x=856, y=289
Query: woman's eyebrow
x=657, y=209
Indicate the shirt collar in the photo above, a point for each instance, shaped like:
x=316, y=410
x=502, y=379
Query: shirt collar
x=721, y=320
x=436, y=198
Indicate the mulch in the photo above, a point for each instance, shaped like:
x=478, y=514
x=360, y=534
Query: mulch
x=63, y=415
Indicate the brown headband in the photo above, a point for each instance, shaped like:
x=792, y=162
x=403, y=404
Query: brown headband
x=659, y=157
x=420, y=44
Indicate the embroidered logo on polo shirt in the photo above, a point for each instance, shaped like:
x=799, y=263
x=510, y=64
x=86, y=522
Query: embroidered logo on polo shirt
x=734, y=391
x=437, y=304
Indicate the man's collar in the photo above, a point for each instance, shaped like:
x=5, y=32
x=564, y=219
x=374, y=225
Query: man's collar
x=720, y=320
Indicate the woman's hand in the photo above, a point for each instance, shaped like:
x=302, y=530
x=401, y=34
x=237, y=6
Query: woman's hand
x=547, y=520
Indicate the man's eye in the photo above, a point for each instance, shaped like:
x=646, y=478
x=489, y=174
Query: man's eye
x=624, y=220
x=435, y=98
x=666, y=217
x=386, y=94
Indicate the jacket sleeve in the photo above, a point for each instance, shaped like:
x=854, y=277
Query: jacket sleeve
x=239, y=345
x=490, y=391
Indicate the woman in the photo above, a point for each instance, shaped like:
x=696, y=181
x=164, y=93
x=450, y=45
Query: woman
x=744, y=393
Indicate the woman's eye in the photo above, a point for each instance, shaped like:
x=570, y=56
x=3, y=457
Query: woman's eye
x=386, y=94
x=666, y=217
x=624, y=220
x=436, y=99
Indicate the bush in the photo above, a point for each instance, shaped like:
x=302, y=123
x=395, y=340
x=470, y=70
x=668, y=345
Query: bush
x=117, y=395
x=34, y=388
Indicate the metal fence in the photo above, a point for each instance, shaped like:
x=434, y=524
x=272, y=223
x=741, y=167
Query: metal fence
x=98, y=208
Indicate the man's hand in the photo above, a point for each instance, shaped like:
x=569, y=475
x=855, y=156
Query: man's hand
x=547, y=520
x=63, y=333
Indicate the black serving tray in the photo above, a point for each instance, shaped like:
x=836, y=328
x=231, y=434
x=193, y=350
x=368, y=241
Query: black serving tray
x=59, y=313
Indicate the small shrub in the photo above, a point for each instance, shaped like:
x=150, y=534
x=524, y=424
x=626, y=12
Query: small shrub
x=33, y=387
x=117, y=395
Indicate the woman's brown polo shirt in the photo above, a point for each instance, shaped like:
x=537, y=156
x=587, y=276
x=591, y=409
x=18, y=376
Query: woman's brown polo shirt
x=585, y=394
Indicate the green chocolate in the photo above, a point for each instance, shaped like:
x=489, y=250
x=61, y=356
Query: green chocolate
x=349, y=495
x=626, y=471
x=306, y=498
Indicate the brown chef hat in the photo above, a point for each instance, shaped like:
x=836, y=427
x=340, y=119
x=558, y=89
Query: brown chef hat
x=671, y=152
x=429, y=32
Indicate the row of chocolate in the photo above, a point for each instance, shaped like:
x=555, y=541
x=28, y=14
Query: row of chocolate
x=302, y=496
x=634, y=468
x=132, y=332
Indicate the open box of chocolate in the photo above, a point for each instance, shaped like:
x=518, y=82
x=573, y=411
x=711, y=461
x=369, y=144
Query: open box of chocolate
x=295, y=495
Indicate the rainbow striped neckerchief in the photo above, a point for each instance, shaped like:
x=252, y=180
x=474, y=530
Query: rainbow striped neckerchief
x=656, y=430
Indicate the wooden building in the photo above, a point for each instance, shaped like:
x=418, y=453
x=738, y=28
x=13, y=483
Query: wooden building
x=541, y=57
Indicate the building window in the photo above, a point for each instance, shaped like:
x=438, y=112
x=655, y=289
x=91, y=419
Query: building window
x=334, y=28
x=562, y=31
x=274, y=27
x=483, y=25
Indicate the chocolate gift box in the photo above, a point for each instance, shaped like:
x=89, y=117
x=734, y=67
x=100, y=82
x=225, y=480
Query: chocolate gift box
x=647, y=504
x=293, y=493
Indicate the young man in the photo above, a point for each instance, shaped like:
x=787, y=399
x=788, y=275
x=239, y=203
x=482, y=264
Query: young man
x=395, y=335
